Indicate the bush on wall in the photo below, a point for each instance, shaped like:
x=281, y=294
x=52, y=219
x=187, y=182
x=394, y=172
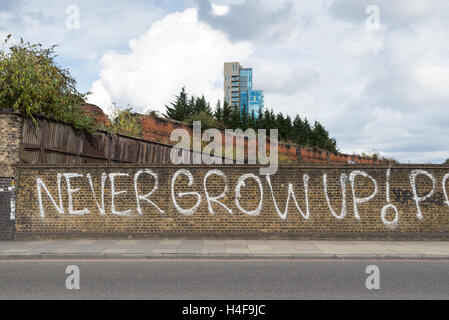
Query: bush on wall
x=31, y=82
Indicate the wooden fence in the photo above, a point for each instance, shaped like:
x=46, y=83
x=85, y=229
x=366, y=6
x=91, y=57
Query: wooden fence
x=51, y=142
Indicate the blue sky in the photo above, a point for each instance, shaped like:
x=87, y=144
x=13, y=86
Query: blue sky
x=376, y=79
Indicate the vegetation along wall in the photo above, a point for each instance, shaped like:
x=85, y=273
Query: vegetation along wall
x=234, y=200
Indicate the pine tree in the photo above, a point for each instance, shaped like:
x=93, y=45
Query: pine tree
x=287, y=127
x=322, y=139
x=279, y=123
x=190, y=109
x=252, y=120
x=308, y=135
x=298, y=131
x=227, y=111
x=202, y=106
x=218, y=115
x=179, y=107
x=260, y=119
x=244, y=118
x=235, y=121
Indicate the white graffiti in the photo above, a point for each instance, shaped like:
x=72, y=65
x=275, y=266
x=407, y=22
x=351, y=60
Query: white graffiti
x=221, y=196
x=291, y=193
x=71, y=191
x=145, y=197
x=389, y=224
x=418, y=199
x=387, y=185
x=103, y=182
x=343, y=179
x=40, y=184
x=114, y=194
x=213, y=151
x=119, y=196
x=446, y=176
x=357, y=200
x=189, y=175
x=240, y=184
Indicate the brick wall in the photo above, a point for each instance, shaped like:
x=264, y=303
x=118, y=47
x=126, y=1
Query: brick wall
x=159, y=129
x=165, y=216
x=7, y=208
x=10, y=139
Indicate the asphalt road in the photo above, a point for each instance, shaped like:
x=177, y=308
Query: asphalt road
x=223, y=279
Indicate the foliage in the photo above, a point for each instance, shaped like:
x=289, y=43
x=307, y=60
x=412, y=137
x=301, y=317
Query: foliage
x=207, y=121
x=376, y=156
x=31, y=82
x=126, y=122
x=297, y=130
x=183, y=108
x=180, y=107
x=446, y=162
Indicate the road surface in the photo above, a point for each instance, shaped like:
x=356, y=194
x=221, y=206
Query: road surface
x=223, y=279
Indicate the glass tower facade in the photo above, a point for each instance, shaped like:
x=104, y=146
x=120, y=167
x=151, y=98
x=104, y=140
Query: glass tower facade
x=255, y=102
x=246, y=85
x=238, y=89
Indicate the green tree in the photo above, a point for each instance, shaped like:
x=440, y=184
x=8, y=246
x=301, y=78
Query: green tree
x=321, y=138
x=252, y=120
x=227, y=111
x=207, y=121
x=32, y=83
x=179, y=108
x=308, y=136
x=235, y=119
x=218, y=114
x=260, y=119
x=190, y=108
x=202, y=106
x=244, y=118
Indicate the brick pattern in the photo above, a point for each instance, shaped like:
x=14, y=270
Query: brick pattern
x=6, y=195
x=157, y=129
x=10, y=139
x=321, y=223
x=97, y=113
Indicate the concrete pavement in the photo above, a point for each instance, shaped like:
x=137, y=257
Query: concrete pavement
x=225, y=249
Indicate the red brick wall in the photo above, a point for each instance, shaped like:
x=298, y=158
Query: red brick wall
x=159, y=130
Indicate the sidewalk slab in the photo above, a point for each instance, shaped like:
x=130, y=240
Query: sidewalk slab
x=223, y=249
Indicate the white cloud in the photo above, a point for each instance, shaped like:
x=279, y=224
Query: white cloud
x=176, y=51
x=101, y=96
x=218, y=10
x=383, y=91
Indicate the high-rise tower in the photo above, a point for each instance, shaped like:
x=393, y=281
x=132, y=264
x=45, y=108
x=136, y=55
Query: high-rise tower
x=238, y=89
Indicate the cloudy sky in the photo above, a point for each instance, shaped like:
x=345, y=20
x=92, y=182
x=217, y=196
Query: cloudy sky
x=374, y=72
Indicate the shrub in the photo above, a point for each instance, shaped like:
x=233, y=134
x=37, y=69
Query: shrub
x=126, y=122
x=32, y=83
